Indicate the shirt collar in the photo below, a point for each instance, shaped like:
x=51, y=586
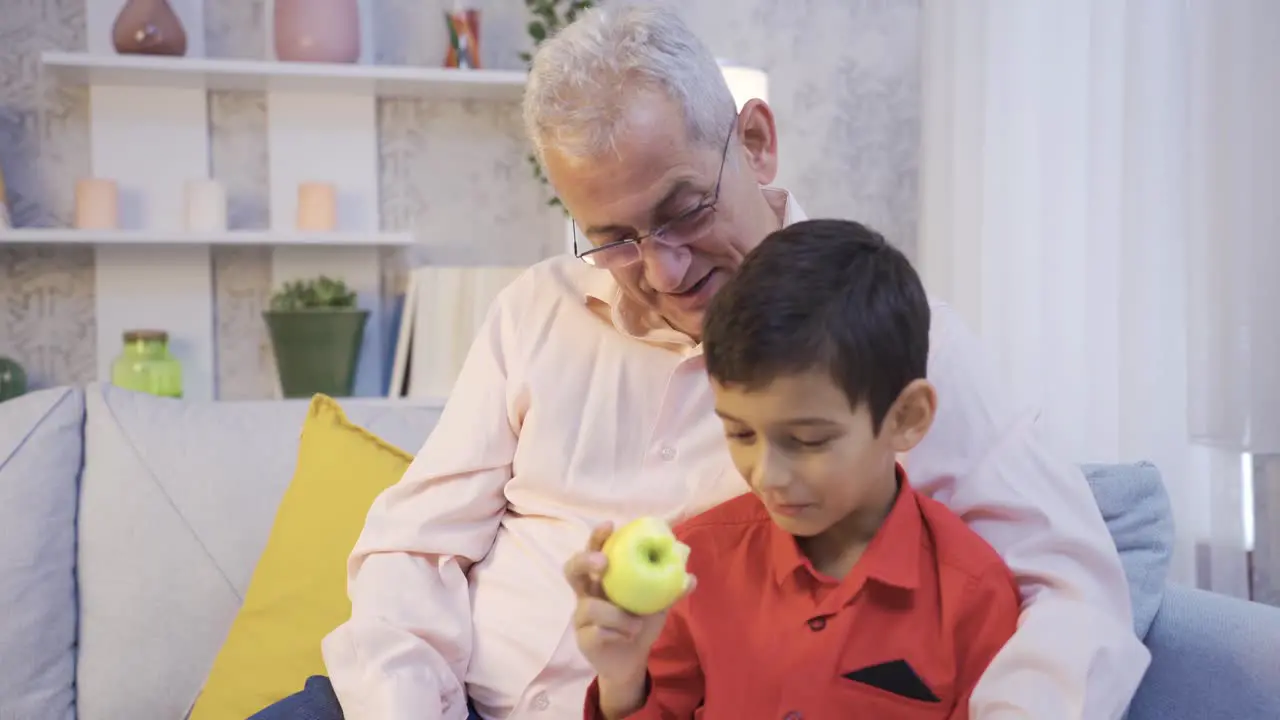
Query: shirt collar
x=891, y=558
x=628, y=318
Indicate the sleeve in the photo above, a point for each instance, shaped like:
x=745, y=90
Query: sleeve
x=676, y=685
x=987, y=621
x=404, y=651
x=1075, y=654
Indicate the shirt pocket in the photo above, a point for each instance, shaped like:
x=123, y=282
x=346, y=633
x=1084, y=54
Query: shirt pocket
x=855, y=699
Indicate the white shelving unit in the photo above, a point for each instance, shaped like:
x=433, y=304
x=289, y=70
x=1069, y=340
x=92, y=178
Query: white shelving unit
x=279, y=77
x=71, y=236
x=149, y=133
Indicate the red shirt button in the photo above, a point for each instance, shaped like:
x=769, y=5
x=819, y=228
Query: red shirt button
x=818, y=623
x=793, y=715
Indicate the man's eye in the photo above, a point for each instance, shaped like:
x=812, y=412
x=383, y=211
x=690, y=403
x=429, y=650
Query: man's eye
x=605, y=242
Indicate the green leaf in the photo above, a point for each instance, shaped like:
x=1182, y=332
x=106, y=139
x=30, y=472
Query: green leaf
x=537, y=31
x=322, y=292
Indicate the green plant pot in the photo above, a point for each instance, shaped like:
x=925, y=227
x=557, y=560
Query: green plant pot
x=316, y=350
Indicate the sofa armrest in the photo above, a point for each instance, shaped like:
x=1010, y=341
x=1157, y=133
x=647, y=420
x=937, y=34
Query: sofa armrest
x=1212, y=656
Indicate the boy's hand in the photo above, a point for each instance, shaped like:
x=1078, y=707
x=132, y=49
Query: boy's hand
x=614, y=641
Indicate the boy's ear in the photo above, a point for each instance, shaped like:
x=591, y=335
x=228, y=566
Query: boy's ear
x=912, y=414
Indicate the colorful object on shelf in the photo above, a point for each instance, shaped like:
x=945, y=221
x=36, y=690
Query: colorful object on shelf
x=316, y=332
x=97, y=204
x=146, y=366
x=464, y=39
x=13, y=379
x=149, y=27
x=317, y=207
x=317, y=31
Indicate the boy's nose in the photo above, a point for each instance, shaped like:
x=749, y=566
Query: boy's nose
x=769, y=472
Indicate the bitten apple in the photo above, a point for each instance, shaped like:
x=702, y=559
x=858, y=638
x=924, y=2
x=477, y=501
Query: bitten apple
x=646, y=571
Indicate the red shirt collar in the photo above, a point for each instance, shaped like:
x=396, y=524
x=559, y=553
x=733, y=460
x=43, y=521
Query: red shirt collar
x=891, y=558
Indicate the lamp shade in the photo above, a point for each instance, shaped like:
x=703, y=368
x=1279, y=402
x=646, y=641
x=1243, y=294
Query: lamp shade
x=745, y=82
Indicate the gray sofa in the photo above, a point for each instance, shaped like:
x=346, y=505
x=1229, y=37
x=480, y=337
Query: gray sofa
x=132, y=525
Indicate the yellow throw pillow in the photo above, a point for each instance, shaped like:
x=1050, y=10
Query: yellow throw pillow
x=298, y=593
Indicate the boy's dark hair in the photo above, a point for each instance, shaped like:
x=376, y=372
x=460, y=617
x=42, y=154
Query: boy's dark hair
x=822, y=294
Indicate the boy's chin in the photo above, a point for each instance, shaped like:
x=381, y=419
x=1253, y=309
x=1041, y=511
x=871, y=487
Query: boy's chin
x=800, y=526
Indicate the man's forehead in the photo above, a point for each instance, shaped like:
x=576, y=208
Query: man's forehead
x=648, y=153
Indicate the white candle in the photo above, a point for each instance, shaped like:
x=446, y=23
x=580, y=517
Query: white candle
x=206, y=206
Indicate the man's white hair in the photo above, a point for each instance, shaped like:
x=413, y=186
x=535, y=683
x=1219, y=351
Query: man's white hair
x=583, y=78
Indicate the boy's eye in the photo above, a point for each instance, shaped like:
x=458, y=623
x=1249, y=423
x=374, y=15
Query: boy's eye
x=739, y=435
x=810, y=444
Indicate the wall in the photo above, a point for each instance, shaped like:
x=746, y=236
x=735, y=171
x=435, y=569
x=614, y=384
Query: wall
x=843, y=83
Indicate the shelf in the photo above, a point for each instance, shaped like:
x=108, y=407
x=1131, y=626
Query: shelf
x=273, y=76
x=67, y=236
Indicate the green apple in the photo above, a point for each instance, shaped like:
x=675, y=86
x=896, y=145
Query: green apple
x=646, y=571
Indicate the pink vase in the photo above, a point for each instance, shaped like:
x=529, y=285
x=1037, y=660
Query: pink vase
x=317, y=30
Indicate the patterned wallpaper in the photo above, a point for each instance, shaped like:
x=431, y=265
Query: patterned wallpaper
x=843, y=83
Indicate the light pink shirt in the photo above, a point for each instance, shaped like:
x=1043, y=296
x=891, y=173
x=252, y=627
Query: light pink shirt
x=575, y=406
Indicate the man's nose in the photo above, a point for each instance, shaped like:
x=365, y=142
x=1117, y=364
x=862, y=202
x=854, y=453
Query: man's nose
x=664, y=267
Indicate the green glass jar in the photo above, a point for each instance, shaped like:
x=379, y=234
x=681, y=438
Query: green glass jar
x=146, y=366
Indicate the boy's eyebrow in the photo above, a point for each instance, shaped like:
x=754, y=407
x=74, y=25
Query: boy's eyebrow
x=726, y=416
x=808, y=421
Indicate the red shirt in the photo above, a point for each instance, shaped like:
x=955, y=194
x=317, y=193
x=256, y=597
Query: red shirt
x=906, y=634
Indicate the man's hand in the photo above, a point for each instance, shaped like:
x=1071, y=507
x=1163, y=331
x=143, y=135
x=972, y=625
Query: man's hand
x=614, y=641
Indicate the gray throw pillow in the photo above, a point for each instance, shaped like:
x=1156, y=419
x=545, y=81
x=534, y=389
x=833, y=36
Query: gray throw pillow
x=1138, y=515
x=41, y=446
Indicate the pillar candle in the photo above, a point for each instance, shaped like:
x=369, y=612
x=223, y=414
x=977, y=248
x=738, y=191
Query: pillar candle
x=206, y=206
x=97, y=204
x=317, y=207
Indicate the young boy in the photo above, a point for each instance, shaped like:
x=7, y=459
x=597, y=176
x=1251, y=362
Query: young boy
x=832, y=590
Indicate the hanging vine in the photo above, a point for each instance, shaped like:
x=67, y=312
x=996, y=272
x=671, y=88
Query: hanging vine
x=548, y=17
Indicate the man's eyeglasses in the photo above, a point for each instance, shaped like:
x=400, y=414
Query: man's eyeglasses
x=680, y=230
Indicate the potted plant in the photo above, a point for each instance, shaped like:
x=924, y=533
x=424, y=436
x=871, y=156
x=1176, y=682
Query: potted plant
x=13, y=380
x=316, y=331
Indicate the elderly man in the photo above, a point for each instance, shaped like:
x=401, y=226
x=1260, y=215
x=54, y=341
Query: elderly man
x=584, y=399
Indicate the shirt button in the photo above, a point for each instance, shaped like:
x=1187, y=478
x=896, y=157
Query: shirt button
x=818, y=623
x=793, y=715
x=668, y=453
x=541, y=702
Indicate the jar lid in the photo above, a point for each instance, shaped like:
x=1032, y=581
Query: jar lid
x=145, y=336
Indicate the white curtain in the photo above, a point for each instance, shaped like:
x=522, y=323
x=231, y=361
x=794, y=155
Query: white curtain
x=1235, y=278
x=1065, y=214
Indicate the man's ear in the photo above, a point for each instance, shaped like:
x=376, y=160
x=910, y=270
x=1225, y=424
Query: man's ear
x=912, y=414
x=759, y=139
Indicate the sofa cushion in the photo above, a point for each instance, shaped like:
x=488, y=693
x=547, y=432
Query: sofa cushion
x=1212, y=656
x=40, y=453
x=299, y=589
x=177, y=501
x=1139, y=516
